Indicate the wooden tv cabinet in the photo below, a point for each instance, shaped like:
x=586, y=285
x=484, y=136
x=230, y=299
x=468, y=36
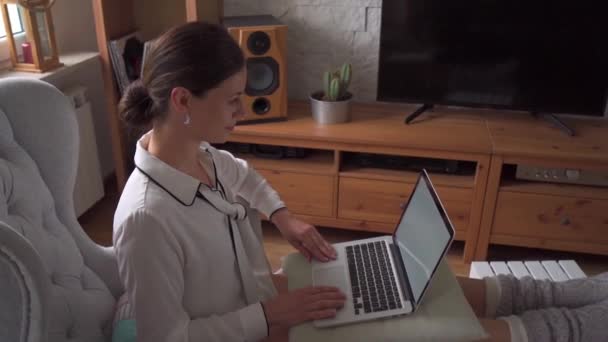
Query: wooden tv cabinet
x=486, y=206
x=545, y=215
x=327, y=189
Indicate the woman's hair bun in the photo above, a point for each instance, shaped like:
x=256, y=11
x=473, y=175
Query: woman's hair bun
x=136, y=106
x=196, y=56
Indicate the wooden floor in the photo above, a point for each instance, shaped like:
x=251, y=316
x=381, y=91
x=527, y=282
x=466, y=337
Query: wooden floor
x=97, y=222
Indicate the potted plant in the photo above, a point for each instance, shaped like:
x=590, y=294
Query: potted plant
x=332, y=104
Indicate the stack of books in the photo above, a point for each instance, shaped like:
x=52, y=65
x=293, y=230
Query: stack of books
x=128, y=55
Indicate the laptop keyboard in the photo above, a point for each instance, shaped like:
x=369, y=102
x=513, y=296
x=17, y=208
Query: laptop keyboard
x=373, y=283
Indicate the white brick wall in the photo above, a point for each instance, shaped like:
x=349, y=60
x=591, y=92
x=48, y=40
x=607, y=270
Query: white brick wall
x=323, y=34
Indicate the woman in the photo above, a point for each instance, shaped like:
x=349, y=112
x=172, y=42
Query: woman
x=540, y=310
x=187, y=256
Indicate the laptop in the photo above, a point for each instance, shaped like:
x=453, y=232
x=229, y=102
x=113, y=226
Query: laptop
x=388, y=276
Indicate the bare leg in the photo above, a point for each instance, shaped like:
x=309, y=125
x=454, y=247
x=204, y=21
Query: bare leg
x=497, y=329
x=475, y=293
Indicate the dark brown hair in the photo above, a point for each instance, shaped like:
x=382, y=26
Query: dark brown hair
x=197, y=56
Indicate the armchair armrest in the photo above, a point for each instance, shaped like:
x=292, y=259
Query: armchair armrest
x=24, y=287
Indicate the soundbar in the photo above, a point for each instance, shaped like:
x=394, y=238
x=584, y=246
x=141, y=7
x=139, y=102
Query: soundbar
x=561, y=175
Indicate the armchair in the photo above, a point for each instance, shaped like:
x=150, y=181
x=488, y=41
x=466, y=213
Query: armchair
x=56, y=284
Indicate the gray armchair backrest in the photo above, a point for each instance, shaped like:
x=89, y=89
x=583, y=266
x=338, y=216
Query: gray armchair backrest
x=38, y=162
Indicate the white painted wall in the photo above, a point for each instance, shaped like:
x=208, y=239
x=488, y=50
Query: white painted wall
x=75, y=32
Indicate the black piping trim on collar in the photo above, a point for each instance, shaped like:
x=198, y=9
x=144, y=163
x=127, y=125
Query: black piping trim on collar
x=219, y=187
x=216, y=188
x=266, y=319
x=223, y=193
x=201, y=196
x=167, y=190
x=214, y=169
x=199, y=184
x=274, y=212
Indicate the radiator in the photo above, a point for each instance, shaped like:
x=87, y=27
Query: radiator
x=547, y=269
x=88, y=189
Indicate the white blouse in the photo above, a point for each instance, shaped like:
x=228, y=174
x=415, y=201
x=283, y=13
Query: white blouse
x=191, y=263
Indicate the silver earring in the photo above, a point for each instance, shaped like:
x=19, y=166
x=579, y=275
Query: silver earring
x=187, y=120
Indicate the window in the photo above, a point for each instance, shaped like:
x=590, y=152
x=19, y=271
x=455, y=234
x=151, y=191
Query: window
x=15, y=16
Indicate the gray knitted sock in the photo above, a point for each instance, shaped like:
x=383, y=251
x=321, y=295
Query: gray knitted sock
x=519, y=295
x=584, y=324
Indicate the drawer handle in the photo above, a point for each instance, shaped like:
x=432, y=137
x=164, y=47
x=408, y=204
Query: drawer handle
x=402, y=205
x=566, y=221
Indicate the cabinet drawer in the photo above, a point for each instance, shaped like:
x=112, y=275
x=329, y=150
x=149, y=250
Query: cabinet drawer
x=551, y=217
x=302, y=193
x=380, y=201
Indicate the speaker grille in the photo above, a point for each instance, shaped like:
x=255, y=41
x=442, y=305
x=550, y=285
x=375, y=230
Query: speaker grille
x=258, y=43
x=260, y=106
x=262, y=76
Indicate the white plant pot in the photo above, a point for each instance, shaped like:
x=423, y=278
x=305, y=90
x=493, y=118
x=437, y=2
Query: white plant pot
x=330, y=112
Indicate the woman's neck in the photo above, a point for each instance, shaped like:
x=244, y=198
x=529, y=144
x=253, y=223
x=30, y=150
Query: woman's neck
x=177, y=150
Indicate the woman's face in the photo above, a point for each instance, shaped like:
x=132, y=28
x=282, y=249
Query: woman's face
x=214, y=116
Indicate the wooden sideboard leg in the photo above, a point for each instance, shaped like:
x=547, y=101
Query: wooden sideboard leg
x=336, y=188
x=481, y=181
x=487, y=218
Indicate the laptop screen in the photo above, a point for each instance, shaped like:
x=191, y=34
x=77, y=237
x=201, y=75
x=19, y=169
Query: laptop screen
x=423, y=235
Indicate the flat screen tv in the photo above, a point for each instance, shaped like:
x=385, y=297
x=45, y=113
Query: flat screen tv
x=545, y=56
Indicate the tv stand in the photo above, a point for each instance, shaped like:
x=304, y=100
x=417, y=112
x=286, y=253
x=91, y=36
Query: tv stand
x=331, y=187
x=555, y=121
x=418, y=112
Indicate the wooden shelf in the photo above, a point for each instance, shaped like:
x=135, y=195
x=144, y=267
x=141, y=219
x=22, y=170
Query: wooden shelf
x=318, y=162
x=567, y=190
x=520, y=136
x=71, y=62
x=438, y=179
x=377, y=128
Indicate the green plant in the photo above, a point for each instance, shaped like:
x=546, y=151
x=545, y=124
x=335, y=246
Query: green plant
x=335, y=84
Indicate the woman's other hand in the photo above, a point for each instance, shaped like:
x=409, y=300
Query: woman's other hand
x=303, y=236
x=303, y=305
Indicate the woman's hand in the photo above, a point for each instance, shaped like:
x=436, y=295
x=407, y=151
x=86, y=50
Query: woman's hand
x=302, y=305
x=303, y=236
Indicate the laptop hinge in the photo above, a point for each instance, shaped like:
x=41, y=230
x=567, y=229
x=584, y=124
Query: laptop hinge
x=401, y=273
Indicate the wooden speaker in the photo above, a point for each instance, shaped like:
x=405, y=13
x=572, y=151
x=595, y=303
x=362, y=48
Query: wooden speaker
x=264, y=43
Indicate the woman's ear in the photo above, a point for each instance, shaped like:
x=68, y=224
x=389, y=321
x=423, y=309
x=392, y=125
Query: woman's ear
x=180, y=100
